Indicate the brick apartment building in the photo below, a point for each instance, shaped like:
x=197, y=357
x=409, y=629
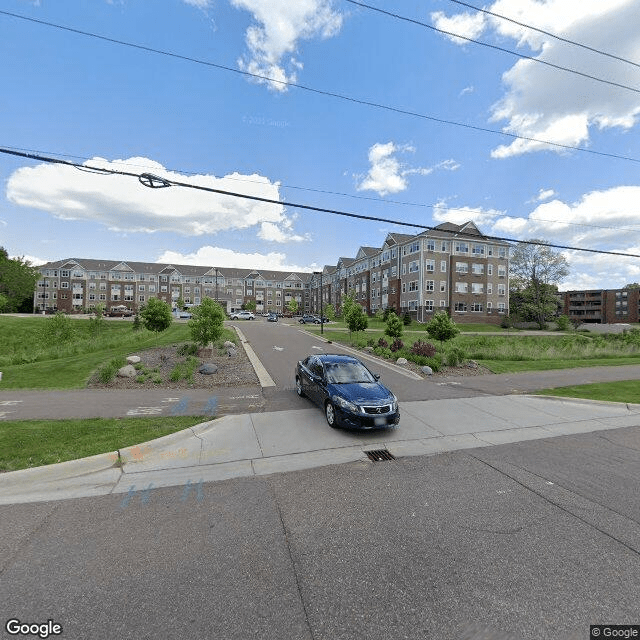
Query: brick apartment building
x=602, y=306
x=452, y=267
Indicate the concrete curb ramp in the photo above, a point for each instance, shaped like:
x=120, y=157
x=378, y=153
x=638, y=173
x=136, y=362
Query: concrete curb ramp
x=264, y=443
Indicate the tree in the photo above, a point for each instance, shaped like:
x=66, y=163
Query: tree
x=249, y=306
x=329, y=312
x=442, y=327
x=4, y=301
x=632, y=285
x=156, y=316
x=353, y=315
x=58, y=329
x=17, y=281
x=394, y=325
x=180, y=303
x=293, y=306
x=96, y=325
x=535, y=271
x=206, y=323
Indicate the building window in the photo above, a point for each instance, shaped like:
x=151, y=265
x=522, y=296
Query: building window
x=430, y=245
x=64, y=285
x=428, y=305
x=413, y=285
x=477, y=269
x=460, y=307
x=476, y=306
x=429, y=285
x=477, y=287
x=462, y=287
x=489, y=269
x=478, y=249
x=414, y=266
x=502, y=290
x=443, y=286
x=502, y=271
x=462, y=267
x=443, y=266
x=462, y=247
x=430, y=266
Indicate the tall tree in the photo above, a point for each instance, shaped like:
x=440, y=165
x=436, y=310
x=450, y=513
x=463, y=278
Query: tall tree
x=207, y=323
x=17, y=282
x=535, y=271
x=156, y=316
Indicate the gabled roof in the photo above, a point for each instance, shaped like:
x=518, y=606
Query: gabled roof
x=366, y=252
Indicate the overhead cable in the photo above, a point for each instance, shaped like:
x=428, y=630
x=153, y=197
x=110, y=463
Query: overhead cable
x=555, y=36
x=402, y=203
x=331, y=94
x=149, y=179
x=494, y=46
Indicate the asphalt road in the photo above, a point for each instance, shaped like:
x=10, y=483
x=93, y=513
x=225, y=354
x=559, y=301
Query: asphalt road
x=529, y=541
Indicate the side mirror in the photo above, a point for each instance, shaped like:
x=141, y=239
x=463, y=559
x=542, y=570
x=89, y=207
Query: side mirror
x=376, y=376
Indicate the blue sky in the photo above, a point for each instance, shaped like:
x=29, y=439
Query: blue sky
x=104, y=104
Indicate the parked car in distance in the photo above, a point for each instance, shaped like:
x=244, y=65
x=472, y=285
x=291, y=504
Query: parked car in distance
x=120, y=311
x=348, y=393
x=309, y=319
x=242, y=315
x=272, y=317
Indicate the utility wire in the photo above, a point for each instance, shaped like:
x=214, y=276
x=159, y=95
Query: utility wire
x=151, y=180
x=494, y=46
x=548, y=33
x=330, y=94
x=342, y=194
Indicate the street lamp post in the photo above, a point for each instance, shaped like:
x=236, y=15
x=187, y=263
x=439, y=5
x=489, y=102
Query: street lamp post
x=319, y=273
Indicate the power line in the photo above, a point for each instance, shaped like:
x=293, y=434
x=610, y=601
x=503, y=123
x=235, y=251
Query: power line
x=548, y=33
x=151, y=180
x=494, y=46
x=340, y=193
x=330, y=94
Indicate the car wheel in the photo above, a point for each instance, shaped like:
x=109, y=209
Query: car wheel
x=330, y=414
x=299, y=389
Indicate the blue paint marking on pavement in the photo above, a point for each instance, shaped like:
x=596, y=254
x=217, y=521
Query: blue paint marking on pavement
x=127, y=499
x=187, y=491
x=146, y=494
x=211, y=408
x=181, y=407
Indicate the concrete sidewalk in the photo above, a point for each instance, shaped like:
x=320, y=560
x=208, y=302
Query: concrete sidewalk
x=264, y=443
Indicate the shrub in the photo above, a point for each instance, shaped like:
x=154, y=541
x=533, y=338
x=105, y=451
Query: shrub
x=383, y=352
x=506, y=322
x=371, y=342
x=563, y=323
x=396, y=345
x=421, y=348
x=455, y=356
x=107, y=372
x=187, y=349
x=406, y=319
x=394, y=326
x=383, y=343
x=442, y=327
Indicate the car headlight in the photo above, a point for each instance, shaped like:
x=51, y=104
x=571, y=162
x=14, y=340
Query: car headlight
x=394, y=403
x=345, y=404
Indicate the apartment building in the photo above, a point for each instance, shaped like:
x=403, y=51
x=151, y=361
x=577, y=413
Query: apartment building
x=602, y=306
x=454, y=268
x=78, y=284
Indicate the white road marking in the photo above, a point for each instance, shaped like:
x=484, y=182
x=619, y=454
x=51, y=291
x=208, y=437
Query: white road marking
x=4, y=414
x=145, y=411
x=9, y=403
x=278, y=348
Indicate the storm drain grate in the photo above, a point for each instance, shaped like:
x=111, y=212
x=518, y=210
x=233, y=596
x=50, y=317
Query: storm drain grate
x=377, y=455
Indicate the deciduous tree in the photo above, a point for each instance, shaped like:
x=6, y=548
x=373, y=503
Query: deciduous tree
x=17, y=282
x=207, y=322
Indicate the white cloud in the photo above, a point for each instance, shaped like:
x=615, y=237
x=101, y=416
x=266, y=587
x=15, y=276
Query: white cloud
x=607, y=220
x=468, y=24
x=388, y=175
x=545, y=194
x=273, y=42
x=200, y=4
x=549, y=104
x=123, y=204
x=220, y=257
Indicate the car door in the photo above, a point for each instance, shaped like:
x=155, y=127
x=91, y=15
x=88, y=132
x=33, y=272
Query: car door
x=316, y=382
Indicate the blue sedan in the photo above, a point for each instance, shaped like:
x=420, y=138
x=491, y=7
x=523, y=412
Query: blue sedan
x=349, y=394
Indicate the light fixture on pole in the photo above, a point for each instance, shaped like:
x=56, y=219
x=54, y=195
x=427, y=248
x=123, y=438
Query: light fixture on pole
x=319, y=273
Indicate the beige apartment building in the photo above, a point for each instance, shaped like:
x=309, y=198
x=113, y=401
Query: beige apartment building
x=453, y=268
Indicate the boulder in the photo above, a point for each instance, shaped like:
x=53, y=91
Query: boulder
x=208, y=368
x=231, y=352
x=427, y=370
x=133, y=359
x=128, y=371
x=228, y=344
x=401, y=361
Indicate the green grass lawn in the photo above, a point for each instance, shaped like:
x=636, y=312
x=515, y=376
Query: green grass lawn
x=34, y=443
x=28, y=361
x=625, y=391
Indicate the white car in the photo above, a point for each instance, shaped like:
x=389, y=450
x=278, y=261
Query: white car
x=242, y=315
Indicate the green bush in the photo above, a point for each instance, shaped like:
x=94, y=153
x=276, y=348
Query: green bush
x=383, y=352
x=455, y=356
x=107, y=372
x=563, y=323
x=187, y=349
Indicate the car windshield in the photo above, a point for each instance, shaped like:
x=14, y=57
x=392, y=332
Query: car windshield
x=347, y=373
